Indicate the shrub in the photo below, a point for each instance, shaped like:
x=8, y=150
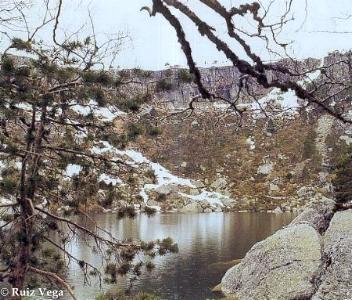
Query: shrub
x=150, y=211
x=9, y=185
x=132, y=105
x=118, y=294
x=271, y=127
x=185, y=76
x=135, y=103
x=134, y=130
x=342, y=177
x=7, y=64
x=161, y=198
x=309, y=149
x=118, y=140
x=23, y=71
x=142, y=73
x=154, y=131
x=149, y=266
x=151, y=174
x=128, y=211
x=103, y=78
x=164, y=85
x=107, y=202
x=20, y=44
x=167, y=244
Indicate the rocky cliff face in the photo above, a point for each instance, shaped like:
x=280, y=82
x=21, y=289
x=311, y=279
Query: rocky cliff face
x=174, y=87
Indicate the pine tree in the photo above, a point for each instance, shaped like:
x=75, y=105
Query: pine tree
x=53, y=106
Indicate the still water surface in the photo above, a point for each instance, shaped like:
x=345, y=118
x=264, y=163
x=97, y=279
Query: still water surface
x=205, y=241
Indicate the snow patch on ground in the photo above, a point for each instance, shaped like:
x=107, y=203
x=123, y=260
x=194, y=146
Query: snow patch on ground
x=287, y=100
x=312, y=76
x=251, y=142
x=24, y=106
x=144, y=195
x=163, y=175
x=110, y=180
x=105, y=147
x=213, y=198
x=4, y=201
x=290, y=99
x=72, y=170
x=106, y=113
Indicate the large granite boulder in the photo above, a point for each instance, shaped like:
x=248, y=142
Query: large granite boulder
x=309, y=259
x=336, y=278
x=317, y=213
x=281, y=267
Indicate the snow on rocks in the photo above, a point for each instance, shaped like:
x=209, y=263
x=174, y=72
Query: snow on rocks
x=165, y=184
x=313, y=75
x=165, y=179
x=213, y=198
x=284, y=100
x=4, y=201
x=106, y=113
x=73, y=170
x=109, y=180
x=251, y=143
x=162, y=174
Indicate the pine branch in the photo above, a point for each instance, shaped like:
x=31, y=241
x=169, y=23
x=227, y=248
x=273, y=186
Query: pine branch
x=55, y=277
x=112, y=242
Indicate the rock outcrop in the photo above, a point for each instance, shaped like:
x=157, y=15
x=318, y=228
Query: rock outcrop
x=317, y=214
x=336, y=280
x=291, y=256
x=309, y=259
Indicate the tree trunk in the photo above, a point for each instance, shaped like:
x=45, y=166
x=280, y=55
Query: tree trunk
x=27, y=192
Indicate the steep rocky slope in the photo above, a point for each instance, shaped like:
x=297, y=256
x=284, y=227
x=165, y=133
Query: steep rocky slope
x=262, y=161
x=209, y=159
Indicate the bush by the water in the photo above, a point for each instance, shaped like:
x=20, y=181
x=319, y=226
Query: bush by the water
x=343, y=177
x=118, y=294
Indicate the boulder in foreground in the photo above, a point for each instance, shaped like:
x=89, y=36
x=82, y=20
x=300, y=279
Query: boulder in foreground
x=281, y=267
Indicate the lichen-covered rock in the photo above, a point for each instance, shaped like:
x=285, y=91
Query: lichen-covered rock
x=265, y=169
x=340, y=229
x=280, y=267
x=193, y=207
x=219, y=184
x=306, y=192
x=229, y=202
x=317, y=213
x=167, y=189
x=273, y=187
x=336, y=279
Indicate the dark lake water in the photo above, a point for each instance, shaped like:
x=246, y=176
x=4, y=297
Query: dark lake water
x=205, y=242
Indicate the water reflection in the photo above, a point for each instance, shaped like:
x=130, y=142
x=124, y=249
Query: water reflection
x=203, y=239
